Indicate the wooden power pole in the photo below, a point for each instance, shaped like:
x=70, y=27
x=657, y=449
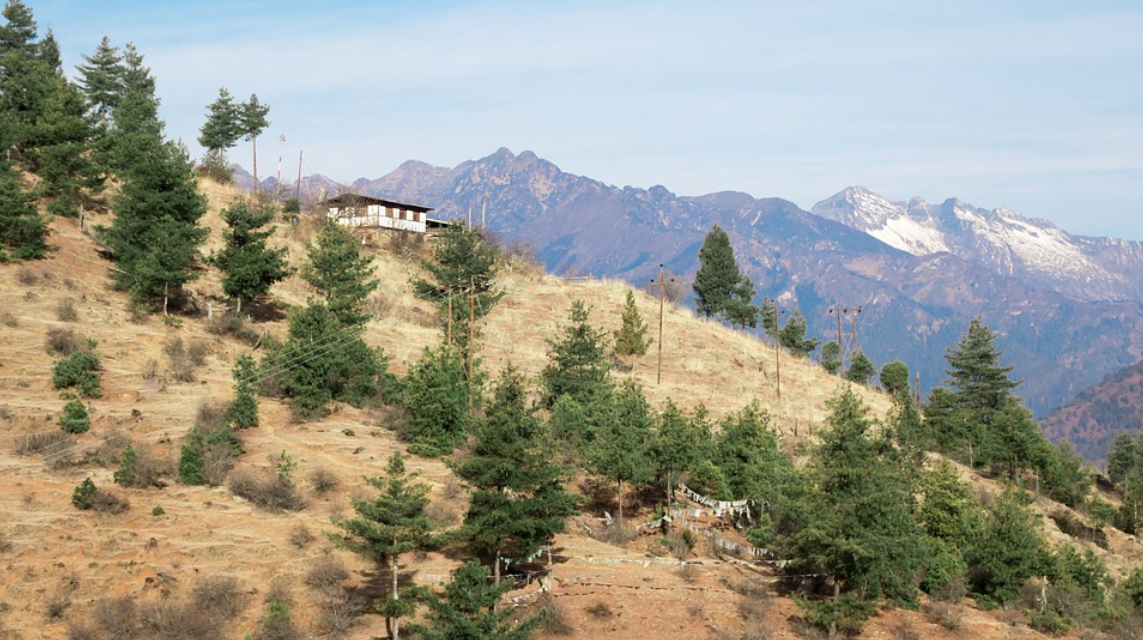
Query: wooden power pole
x=661, y=283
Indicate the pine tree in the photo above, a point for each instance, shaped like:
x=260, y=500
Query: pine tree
x=322, y=361
x=621, y=452
x=74, y=418
x=136, y=128
x=577, y=362
x=677, y=443
x=769, y=315
x=718, y=276
x=83, y=495
x=1008, y=549
x=860, y=369
x=59, y=149
x=27, y=76
x=740, y=312
x=242, y=412
x=392, y=523
x=124, y=476
x=463, y=264
x=102, y=80
x=975, y=373
x=436, y=396
x=894, y=377
x=861, y=530
x=748, y=453
x=249, y=267
x=1124, y=455
x=340, y=274
x=831, y=357
x=518, y=498
x=22, y=230
x=793, y=336
x=470, y=610
x=252, y=121
x=631, y=337
x=222, y=129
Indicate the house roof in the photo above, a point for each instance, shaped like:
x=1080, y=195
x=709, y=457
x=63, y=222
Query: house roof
x=356, y=200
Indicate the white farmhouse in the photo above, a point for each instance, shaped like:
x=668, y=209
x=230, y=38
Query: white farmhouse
x=356, y=211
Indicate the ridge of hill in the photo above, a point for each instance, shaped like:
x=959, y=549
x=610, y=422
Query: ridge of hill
x=55, y=554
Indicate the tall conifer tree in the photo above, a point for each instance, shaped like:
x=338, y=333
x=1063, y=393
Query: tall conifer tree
x=718, y=275
x=518, y=498
x=249, y=267
x=392, y=523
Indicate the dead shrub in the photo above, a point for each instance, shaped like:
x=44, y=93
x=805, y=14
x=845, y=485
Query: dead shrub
x=323, y=481
x=9, y=319
x=57, y=606
x=906, y=630
x=300, y=536
x=689, y=572
x=27, y=276
x=219, y=594
x=614, y=534
x=117, y=617
x=184, y=359
x=380, y=306
x=107, y=502
x=747, y=586
x=405, y=244
x=5, y=544
x=945, y=614
x=44, y=442
x=151, y=369
x=336, y=616
x=211, y=417
x=442, y=513
x=174, y=620
x=217, y=462
x=63, y=342
x=753, y=609
x=326, y=575
x=275, y=493
x=600, y=611
x=81, y=631
x=556, y=621
x=65, y=310
x=229, y=324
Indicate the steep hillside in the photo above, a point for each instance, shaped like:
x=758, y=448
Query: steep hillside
x=919, y=284
x=1097, y=415
x=61, y=562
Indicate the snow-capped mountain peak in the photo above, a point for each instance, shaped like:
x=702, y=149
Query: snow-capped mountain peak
x=1001, y=239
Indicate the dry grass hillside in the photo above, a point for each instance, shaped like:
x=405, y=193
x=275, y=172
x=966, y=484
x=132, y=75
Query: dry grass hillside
x=62, y=566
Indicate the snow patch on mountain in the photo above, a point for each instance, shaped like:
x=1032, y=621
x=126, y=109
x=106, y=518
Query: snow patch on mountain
x=1000, y=239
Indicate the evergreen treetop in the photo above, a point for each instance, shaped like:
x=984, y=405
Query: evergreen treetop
x=248, y=265
x=975, y=372
x=577, y=361
x=102, y=79
x=223, y=126
x=631, y=337
x=340, y=274
x=718, y=275
x=470, y=610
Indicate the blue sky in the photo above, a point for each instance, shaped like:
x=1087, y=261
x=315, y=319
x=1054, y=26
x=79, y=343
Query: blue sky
x=1032, y=105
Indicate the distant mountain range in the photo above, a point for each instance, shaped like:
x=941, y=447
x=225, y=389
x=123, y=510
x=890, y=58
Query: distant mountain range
x=1093, y=419
x=1068, y=309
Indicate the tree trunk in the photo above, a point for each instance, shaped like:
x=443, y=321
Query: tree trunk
x=620, y=504
x=836, y=600
x=166, y=298
x=396, y=630
x=254, y=143
x=238, y=310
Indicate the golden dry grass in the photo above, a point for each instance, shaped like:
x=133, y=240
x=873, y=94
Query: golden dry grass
x=205, y=532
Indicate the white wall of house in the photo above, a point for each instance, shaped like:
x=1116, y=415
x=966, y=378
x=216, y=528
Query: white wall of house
x=379, y=216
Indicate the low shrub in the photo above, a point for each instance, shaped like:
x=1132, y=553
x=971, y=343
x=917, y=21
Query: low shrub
x=274, y=493
x=80, y=370
x=65, y=310
x=63, y=342
x=326, y=575
x=74, y=419
x=220, y=595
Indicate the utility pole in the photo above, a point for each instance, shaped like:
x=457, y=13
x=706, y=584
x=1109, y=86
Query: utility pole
x=840, y=345
x=853, y=336
x=777, y=359
x=661, y=283
x=471, y=337
x=483, y=208
x=298, y=186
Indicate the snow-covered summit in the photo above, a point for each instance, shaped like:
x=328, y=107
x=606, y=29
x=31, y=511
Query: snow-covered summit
x=1001, y=239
